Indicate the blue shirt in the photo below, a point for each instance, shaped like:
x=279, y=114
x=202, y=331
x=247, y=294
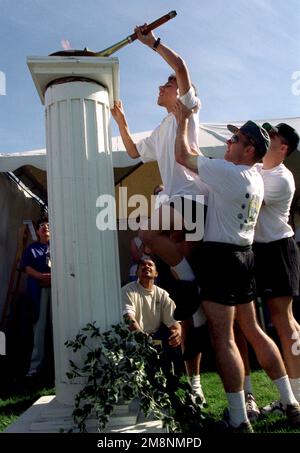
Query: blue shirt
x=37, y=256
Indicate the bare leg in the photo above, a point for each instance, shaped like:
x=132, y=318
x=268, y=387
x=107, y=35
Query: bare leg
x=243, y=347
x=265, y=349
x=229, y=362
x=156, y=236
x=287, y=328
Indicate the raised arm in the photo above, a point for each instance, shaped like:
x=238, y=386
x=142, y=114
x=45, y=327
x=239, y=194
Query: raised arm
x=184, y=154
x=170, y=56
x=118, y=114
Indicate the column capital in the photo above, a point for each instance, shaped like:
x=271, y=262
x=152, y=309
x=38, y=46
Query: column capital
x=103, y=70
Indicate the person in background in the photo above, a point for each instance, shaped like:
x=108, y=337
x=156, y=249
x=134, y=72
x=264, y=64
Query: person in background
x=37, y=265
x=150, y=310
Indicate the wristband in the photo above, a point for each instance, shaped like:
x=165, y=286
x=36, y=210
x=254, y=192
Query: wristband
x=156, y=44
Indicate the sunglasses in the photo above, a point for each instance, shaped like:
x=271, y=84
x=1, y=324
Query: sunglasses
x=236, y=139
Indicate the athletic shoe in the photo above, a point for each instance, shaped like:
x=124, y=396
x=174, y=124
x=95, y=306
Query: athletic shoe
x=225, y=426
x=292, y=412
x=276, y=407
x=187, y=299
x=253, y=411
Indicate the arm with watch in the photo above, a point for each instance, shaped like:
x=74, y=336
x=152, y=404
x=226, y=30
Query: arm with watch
x=170, y=56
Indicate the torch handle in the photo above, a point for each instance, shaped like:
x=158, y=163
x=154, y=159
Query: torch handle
x=110, y=50
x=154, y=25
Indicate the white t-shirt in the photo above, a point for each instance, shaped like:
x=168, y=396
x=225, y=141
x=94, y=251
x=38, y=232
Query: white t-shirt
x=235, y=196
x=272, y=223
x=160, y=147
x=150, y=308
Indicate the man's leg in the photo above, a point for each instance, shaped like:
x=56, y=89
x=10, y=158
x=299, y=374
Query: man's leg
x=288, y=331
x=268, y=356
x=173, y=354
x=156, y=235
x=192, y=357
x=229, y=362
x=39, y=331
x=192, y=367
x=253, y=411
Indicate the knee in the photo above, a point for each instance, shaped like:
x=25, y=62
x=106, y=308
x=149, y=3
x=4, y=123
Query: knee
x=280, y=321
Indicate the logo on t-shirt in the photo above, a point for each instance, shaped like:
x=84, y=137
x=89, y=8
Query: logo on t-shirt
x=253, y=209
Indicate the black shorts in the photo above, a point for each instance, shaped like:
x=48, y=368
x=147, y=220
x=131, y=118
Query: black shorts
x=277, y=268
x=227, y=273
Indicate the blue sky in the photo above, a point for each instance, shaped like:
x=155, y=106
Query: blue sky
x=241, y=55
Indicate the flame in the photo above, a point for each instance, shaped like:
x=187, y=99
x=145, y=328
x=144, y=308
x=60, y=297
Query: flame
x=65, y=44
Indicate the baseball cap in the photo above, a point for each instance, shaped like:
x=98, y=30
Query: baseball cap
x=257, y=136
x=287, y=132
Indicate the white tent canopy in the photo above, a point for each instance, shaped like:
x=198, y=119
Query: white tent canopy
x=212, y=140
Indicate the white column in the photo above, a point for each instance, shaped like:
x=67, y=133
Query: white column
x=85, y=262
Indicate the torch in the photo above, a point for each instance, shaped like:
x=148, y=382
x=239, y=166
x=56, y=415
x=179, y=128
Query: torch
x=112, y=49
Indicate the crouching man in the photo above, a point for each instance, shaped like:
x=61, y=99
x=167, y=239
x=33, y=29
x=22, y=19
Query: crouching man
x=151, y=311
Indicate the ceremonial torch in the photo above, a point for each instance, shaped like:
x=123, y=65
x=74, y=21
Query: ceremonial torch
x=112, y=49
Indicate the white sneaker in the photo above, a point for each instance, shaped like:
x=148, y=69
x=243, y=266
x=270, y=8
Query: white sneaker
x=252, y=408
x=276, y=407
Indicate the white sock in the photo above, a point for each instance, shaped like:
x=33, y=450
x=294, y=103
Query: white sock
x=199, y=317
x=195, y=381
x=237, y=408
x=295, y=384
x=197, y=387
x=284, y=387
x=248, y=385
x=183, y=270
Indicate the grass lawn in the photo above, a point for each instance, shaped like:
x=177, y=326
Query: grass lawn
x=264, y=390
x=15, y=405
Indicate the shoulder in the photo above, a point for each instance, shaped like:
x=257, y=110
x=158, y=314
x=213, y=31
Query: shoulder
x=190, y=100
x=130, y=287
x=280, y=176
x=218, y=164
x=161, y=293
x=287, y=174
x=33, y=246
x=258, y=167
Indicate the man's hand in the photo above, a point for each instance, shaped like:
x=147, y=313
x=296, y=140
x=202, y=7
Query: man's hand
x=148, y=39
x=118, y=113
x=181, y=112
x=45, y=280
x=119, y=116
x=175, y=337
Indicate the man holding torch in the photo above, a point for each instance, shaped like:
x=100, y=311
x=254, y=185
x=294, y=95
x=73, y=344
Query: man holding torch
x=181, y=186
